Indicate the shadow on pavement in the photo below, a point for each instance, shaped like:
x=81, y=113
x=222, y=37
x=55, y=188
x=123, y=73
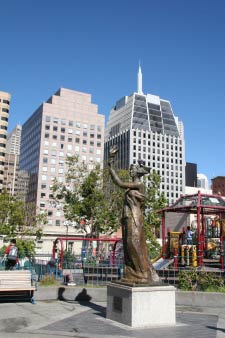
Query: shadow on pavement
x=83, y=298
x=216, y=328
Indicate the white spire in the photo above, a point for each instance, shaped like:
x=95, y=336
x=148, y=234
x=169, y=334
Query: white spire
x=139, y=81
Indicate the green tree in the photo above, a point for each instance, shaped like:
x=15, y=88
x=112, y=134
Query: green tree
x=152, y=220
x=86, y=194
x=14, y=223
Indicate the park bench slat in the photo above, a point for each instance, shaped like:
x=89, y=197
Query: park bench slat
x=13, y=281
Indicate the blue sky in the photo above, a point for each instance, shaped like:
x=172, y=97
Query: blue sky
x=94, y=46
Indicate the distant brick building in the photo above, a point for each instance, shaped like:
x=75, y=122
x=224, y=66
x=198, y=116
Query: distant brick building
x=218, y=185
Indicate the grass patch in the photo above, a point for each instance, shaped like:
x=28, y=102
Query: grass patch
x=215, y=289
x=48, y=280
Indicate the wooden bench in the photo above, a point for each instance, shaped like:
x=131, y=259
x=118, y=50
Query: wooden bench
x=16, y=284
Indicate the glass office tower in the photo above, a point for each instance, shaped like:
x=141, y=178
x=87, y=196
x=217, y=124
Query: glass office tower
x=144, y=127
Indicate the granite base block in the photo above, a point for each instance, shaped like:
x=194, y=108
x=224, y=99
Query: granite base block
x=141, y=306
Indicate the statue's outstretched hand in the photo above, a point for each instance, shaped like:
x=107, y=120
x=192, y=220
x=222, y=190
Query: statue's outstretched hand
x=113, y=151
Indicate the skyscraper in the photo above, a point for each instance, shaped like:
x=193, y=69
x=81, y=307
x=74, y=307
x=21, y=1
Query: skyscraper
x=10, y=181
x=144, y=127
x=66, y=124
x=14, y=140
x=4, y=116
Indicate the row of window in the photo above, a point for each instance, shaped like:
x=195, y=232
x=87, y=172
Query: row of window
x=77, y=149
x=143, y=157
x=144, y=149
x=4, y=101
x=153, y=136
x=91, y=135
x=158, y=144
x=70, y=140
x=5, y=110
x=56, y=120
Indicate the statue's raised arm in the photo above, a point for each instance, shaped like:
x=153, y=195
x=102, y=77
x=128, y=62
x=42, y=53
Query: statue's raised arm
x=137, y=266
x=112, y=154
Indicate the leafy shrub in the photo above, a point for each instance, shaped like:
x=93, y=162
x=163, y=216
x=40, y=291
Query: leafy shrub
x=194, y=280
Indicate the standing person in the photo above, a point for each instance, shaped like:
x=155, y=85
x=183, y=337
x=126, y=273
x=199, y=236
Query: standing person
x=11, y=253
x=189, y=234
x=137, y=265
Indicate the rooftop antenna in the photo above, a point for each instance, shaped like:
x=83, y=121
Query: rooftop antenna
x=139, y=80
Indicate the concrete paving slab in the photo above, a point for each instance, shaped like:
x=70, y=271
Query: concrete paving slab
x=60, y=319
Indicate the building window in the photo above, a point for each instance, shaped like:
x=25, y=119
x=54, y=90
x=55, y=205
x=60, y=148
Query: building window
x=57, y=222
x=55, y=128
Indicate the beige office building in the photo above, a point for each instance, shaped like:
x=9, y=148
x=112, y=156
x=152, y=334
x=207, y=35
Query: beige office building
x=66, y=124
x=4, y=116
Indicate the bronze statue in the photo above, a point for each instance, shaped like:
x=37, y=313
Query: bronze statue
x=137, y=265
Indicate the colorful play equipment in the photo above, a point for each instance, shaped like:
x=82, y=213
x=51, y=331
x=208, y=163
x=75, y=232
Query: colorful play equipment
x=209, y=230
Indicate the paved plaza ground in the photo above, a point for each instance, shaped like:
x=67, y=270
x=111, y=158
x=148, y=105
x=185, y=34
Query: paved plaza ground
x=88, y=320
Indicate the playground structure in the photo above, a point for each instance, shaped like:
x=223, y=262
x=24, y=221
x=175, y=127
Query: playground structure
x=208, y=232
x=208, y=238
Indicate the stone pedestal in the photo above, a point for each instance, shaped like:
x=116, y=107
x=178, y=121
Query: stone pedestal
x=141, y=306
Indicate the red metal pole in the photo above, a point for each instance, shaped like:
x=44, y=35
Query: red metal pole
x=221, y=244
x=199, y=244
x=163, y=236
